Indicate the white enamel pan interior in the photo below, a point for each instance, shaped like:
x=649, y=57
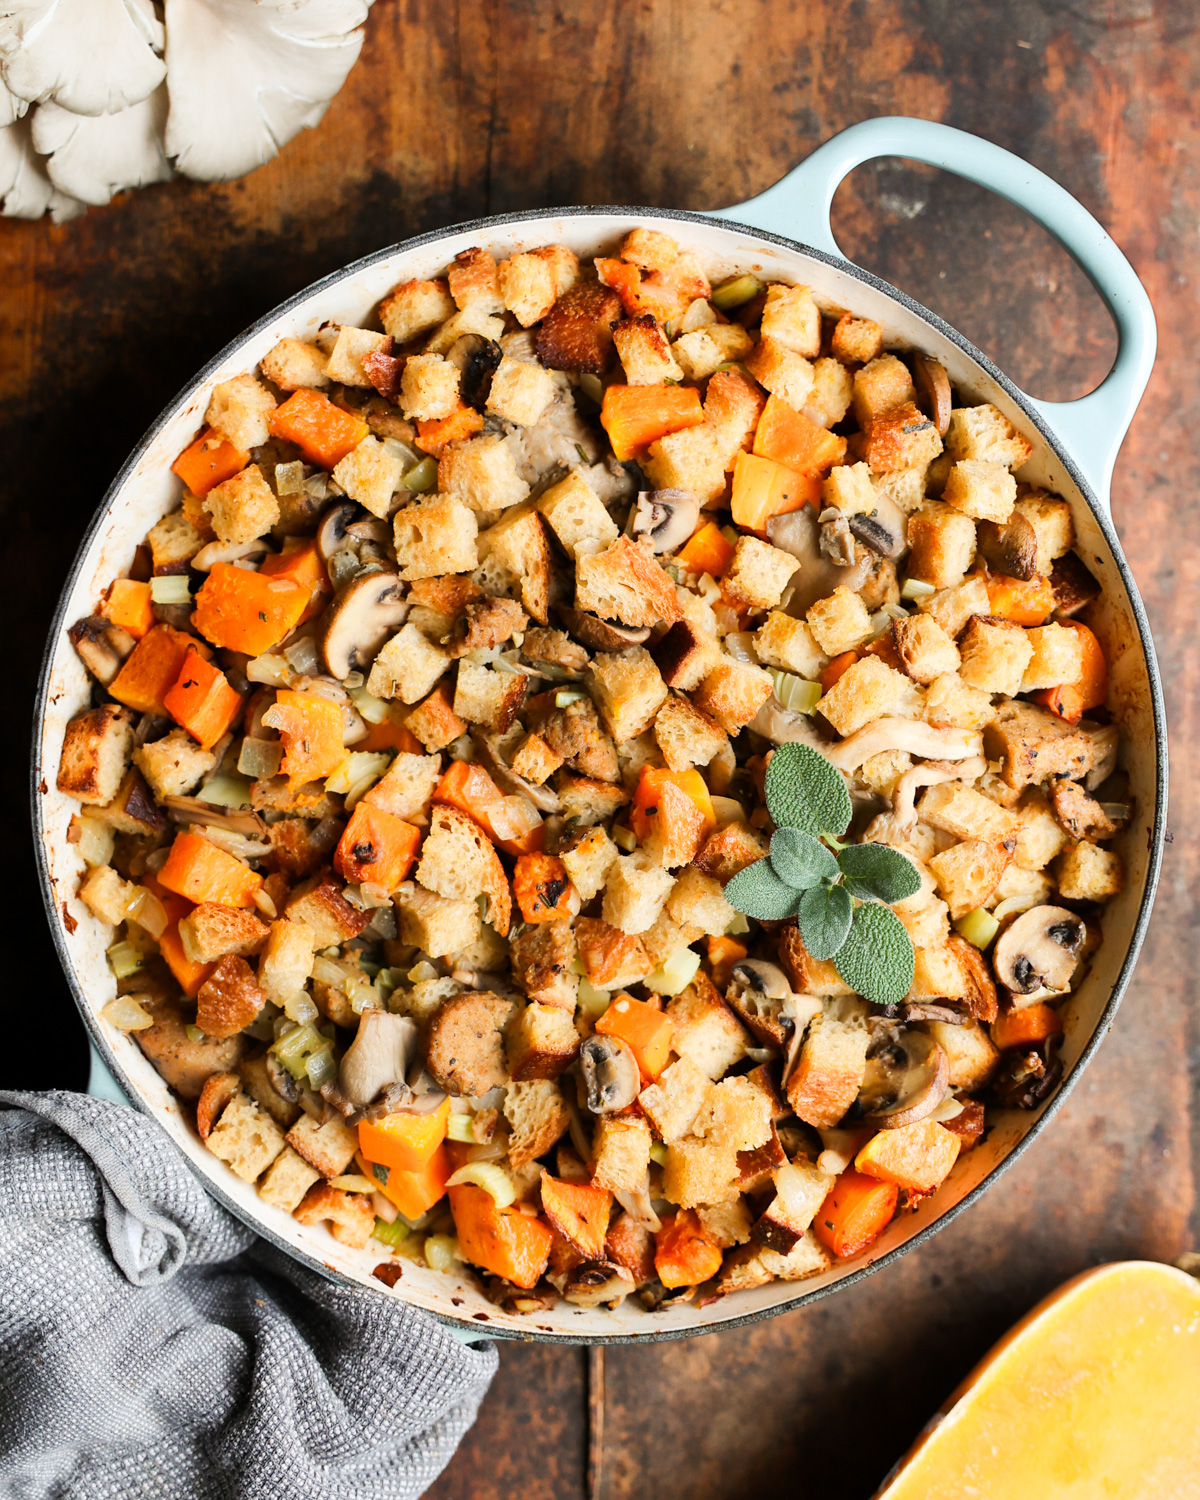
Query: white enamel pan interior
x=784, y=234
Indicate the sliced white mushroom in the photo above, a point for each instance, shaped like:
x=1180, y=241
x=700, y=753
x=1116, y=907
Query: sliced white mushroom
x=25, y=190
x=245, y=78
x=610, y=1072
x=602, y=635
x=11, y=108
x=933, y=390
x=907, y=1076
x=594, y=1282
x=666, y=517
x=226, y=552
x=101, y=646
x=798, y=532
x=364, y=614
x=904, y=734
x=91, y=157
x=884, y=530
x=1035, y=956
x=378, y=1057
x=93, y=57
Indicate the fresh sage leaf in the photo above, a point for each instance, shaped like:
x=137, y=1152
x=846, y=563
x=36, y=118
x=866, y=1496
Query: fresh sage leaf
x=825, y=914
x=758, y=892
x=804, y=791
x=877, y=960
x=877, y=871
x=801, y=860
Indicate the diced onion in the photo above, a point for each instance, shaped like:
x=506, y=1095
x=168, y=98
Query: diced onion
x=441, y=1252
x=303, y=657
x=270, y=670
x=360, y=766
x=194, y=1033
x=422, y=973
x=796, y=694
x=352, y=1182
x=740, y=645
x=592, y=1001
x=225, y=791
x=260, y=759
x=916, y=588
x=94, y=840
x=171, y=588
x=1012, y=905
x=385, y=1208
x=674, y=973
x=737, y=926
x=624, y=838
x=300, y=1008
x=491, y=1178
x=289, y=478
x=374, y=710
x=126, y=1014
x=124, y=960
x=728, y=810
x=421, y=477
x=979, y=927
x=513, y=817
x=592, y=387
x=148, y=912
x=793, y=1189
x=567, y=696
x=949, y=1109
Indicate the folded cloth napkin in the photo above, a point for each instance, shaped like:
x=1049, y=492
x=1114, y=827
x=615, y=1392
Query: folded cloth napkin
x=151, y=1345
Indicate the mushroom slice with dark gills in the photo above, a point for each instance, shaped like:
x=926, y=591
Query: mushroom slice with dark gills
x=933, y=390
x=1010, y=549
x=594, y=1282
x=334, y=531
x=1035, y=956
x=379, y=1056
x=476, y=359
x=368, y=610
x=907, y=1077
x=884, y=530
x=601, y=635
x=667, y=517
x=759, y=993
x=102, y=646
x=610, y=1072
x=798, y=532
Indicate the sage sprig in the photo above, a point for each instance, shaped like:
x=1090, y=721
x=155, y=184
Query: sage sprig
x=838, y=895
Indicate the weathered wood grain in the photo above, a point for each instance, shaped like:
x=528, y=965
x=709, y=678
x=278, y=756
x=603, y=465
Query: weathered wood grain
x=458, y=110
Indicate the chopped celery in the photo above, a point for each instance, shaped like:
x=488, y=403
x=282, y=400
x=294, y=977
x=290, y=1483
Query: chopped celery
x=795, y=693
x=294, y=1050
x=979, y=927
x=592, y=1001
x=576, y=965
x=170, y=588
x=441, y=1252
x=259, y=758
x=124, y=960
x=391, y=1234
x=737, y=926
x=658, y=1153
x=126, y=1014
x=422, y=477
x=674, y=973
x=592, y=387
x=461, y=1128
x=736, y=292
x=566, y=696
x=624, y=838
x=321, y=1068
x=491, y=1178
x=916, y=588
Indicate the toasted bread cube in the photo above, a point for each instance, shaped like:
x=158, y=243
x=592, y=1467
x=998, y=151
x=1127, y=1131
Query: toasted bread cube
x=587, y=802
x=534, y=760
x=429, y=390
x=243, y=507
x=686, y=655
x=293, y=365
x=106, y=895
x=667, y=936
x=238, y=409
x=840, y=621
x=370, y=474
x=865, y=691
x=577, y=516
x=685, y=736
x=904, y=487
x=1057, y=657
x=229, y=999
x=850, y=488
x=743, y=1269
x=788, y=643
x=732, y=406
x=482, y=473
x=791, y=317
x=697, y=901
x=881, y=385
x=540, y=1042
x=881, y=772
x=967, y=814
x=133, y=810
x=729, y=850
x=968, y=873
x=758, y=574
x=856, y=341
x=699, y=1171
x=781, y=371
x=173, y=765
x=734, y=1113
x=701, y=353
x=644, y=352
x=953, y=607
x=943, y=545
x=588, y=860
x=414, y=307
x=542, y=957
x=1052, y=527
x=459, y=861
x=725, y=1224
x=707, y=1032
x=995, y=654
x=673, y=1102
x=611, y=957
x=927, y=922
x=515, y=560
x=407, y=667
x=434, y=722
x=245, y=1138
x=628, y=691
x=831, y=394
x=635, y=890
x=436, y=924
x=531, y=283
x=808, y=1257
x=650, y=249
x=436, y=536
x=473, y=281
x=826, y=1079
x=320, y=906
x=286, y=1180
x=407, y=788
x=210, y=931
x=1086, y=872
x=693, y=459
x=97, y=746
x=900, y=438
x=346, y=357
x=784, y=1221
x=1040, y=838
x=350, y=1216
x=521, y=391
x=982, y=490
x=733, y=692
x=576, y=334
x=924, y=647
x=473, y=319
x=969, y=1051
x=287, y=960
x=1034, y=745
x=537, y=1117
x=622, y=1147
x=983, y=432
x=174, y=541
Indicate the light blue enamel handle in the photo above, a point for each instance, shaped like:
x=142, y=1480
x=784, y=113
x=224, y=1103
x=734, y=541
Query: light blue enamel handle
x=1091, y=429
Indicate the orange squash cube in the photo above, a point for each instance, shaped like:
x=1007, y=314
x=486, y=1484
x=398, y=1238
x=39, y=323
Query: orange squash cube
x=504, y=1241
x=128, y=605
x=404, y=1141
x=643, y=1028
x=209, y=461
x=152, y=669
x=324, y=433
x=244, y=611
x=788, y=437
x=197, y=869
x=202, y=701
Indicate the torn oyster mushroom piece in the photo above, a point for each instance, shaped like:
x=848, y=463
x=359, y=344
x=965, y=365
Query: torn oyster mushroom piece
x=379, y=1056
x=665, y=517
x=610, y=1074
x=362, y=617
x=907, y=1076
x=1035, y=956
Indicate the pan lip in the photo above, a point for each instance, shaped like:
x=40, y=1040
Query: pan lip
x=925, y=315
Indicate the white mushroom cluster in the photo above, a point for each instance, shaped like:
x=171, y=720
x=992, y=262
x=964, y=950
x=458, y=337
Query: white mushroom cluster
x=97, y=96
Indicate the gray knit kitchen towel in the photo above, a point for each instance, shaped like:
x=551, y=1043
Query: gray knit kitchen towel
x=152, y=1346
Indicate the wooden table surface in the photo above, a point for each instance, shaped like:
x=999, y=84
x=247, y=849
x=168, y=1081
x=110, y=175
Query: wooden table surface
x=460, y=110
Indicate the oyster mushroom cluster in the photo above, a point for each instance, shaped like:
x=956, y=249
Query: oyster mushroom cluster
x=101, y=95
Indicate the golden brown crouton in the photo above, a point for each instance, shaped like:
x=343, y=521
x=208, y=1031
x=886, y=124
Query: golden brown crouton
x=534, y=760
x=967, y=874
x=256, y=1080
x=685, y=736
x=703, y=351
x=173, y=765
x=867, y=690
x=435, y=536
x=521, y=391
x=783, y=641
x=732, y=407
x=791, y=317
x=319, y=905
x=883, y=384
x=587, y=801
x=576, y=334
x=487, y=697
x=328, y=1147
x=839, y=622
x=758, y=574
x=370, y=474
x=900, y=438
x=537, y=1115
x=238, y=409
x=243, y=507
x=942, y=542
x=808, y=975
x=644, y=352
x=286, y=1180
x=781, y=371
x=97, y=746
x=438, y=925
x=950, y=703
x=407, y=666
x=414, y=307
x=985, y=491
x=693, y=459
x=829, y=1072
x=969, y=1051
x=458, y=861
x=784, y=1221
x=350, y=347
x=686, y=655
x=924, y=648
x=587, y=858
x=210, y=931
x=350, y=1216
x=832, y=388
x=293, y=365
x=983, y=432
x=856, y=340
x=673, y=1102
x=1086, y=872
x=214, y=1096
x=995, y=654
x=434, y=721
x=1053, y=530
x=473, y=280
x=229, y=999
x=729, y=850
x=699, y=1171
x=429, y=388
x=175, y=540
x=532, y=282
x=540, y=1042
x=697, y=902
x=247, y=1140
x=967, y=814
x=635, y=889
x=287, y=960
x=542, y=957
x=707, y=1032
x=577, y=517
x=611, y=957
x=952, y=607
x=1057, y=657
x=622, y=1148
x=628, y=691
x=625, y=582
x=733, y=692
